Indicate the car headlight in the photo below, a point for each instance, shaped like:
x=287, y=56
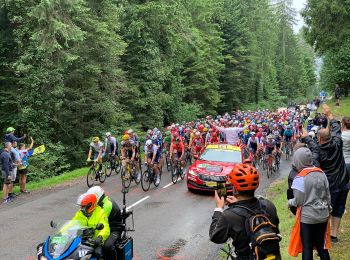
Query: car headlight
x=193, y=173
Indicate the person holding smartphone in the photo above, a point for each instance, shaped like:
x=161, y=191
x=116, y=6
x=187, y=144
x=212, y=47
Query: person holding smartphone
x=6, y=170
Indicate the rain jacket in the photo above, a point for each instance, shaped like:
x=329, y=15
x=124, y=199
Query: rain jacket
x=329, y=157
x=98, y=216
x=113, y=213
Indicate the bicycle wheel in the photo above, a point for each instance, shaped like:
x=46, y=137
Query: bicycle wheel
x=145, y=180
x=137, y=177
x=117, y=165
x=102, y=175
x=189, y=158
x=90, y=177
x=264, y=164
x=109, y=166
x=126, y=178
x=182, y=174
x=174, y=175
x=268, y=171
x=277, y=163
x=167, y=161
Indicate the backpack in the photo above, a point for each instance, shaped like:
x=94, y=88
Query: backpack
x=263, y=236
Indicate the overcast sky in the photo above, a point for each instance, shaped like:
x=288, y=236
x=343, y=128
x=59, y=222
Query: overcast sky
x=299, y=5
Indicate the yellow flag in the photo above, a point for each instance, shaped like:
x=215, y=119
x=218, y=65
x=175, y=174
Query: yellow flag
x=40, y=149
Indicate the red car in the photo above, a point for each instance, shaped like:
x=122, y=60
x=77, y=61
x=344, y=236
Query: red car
x=212, y=166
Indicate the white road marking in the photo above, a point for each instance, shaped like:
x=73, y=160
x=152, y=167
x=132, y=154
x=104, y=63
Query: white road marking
x=168, y=185
x=137, y=202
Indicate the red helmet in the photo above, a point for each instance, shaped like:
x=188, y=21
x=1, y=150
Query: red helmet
x=87, y=202
x=244, y=177
x=215, y=134
x=200, y=128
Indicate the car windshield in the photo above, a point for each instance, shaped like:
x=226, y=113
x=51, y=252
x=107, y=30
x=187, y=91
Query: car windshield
x=225, y=156
x=63, y=236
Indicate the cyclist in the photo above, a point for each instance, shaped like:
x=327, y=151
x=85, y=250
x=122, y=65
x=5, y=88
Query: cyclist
x=128, y=153
x=152, y=158
x=111, y=145
x=197, y=144
x=177, y=151
x=270, y=147
x=214, y=138
x=287, y=135
x=253, y=143
x=115, y=221
x=96, y=147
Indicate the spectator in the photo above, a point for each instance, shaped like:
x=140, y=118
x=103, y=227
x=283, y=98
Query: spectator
x=328, y=153
x=230, y=133
x=337, y=94
x=6, y=170
x=317, y=102
x=16, y=159
x=346, y=142
x=23, y=167
x=291, y=177
x=10, y=136
x=313, y=200
x=231, y=223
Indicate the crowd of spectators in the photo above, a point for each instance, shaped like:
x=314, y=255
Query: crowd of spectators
x=13, y=161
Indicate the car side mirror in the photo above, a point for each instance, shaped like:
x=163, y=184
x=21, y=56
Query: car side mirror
x=99, y=226
x=53, y=224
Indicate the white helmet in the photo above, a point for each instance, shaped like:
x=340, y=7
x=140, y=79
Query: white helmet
x=97, y=190
x=148, y=142
x=315, y=129
x=108, y=134
x=312, y=134
x=130, y=131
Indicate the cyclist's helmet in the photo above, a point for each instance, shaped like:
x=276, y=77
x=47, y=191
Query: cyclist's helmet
x=253, y=133
x=177, y=139
x=154, y=137
x=148, y=142
x=130, y=131
x=200, y=128
x=95, y=139
x=198, y=134
x=125, y=137
x=264, y=134
x=288, y=127
x=108, y=134
x=97, y=190
x=87, y=203
x=244, y=177
x=270, y=137
x=167, y=133
x=205, y=129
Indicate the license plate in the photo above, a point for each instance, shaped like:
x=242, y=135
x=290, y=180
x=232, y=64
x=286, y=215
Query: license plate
x=211, y=184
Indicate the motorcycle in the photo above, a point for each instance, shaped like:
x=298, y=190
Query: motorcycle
x=71, y=240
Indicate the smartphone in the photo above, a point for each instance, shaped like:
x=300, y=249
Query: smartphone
x=221, y=188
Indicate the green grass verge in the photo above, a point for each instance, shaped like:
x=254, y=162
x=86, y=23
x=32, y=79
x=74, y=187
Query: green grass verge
x=54, y=181
x=277, y=194
x=342, y=110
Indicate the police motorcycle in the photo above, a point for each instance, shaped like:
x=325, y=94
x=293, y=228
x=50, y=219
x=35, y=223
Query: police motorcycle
x=73, y=241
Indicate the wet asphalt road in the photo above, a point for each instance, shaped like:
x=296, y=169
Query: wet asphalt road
x=169, y=220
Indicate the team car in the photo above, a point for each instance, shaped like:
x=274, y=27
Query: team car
x=213, y=165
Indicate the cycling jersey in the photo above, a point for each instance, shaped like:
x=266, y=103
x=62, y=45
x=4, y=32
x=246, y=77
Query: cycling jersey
x=179, y=148
x=253, y=143
x=96, y=149
x=111, y=144
x=128, y=148
x=198, y=142
x=288, y=133
x=152, y=151
x=270, y=146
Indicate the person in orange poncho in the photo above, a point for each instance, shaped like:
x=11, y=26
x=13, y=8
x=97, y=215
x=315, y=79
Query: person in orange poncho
x=313, y=201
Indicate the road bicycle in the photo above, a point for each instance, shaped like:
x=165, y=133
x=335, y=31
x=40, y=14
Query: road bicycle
x=94, y=174
x=269, y=165
x=113, y=164
x=277, y=161
x=148, y=177
x=288, y=150
x=129, y=174
x=176, y=170
x=188, y=156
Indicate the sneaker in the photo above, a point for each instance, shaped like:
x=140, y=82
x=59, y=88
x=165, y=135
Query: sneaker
x=12, y=195
x=8, y=200
x=25, y=191
x=157, y=180
x=334, y=239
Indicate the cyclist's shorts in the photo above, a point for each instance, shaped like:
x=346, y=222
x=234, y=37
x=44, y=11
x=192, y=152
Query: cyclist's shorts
x=278, y=145
x=157, y=159
x=254, y=147
x=112, y=148
x=269, y=151
x=178, y=154
x=103, y=154
x=288, y=138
